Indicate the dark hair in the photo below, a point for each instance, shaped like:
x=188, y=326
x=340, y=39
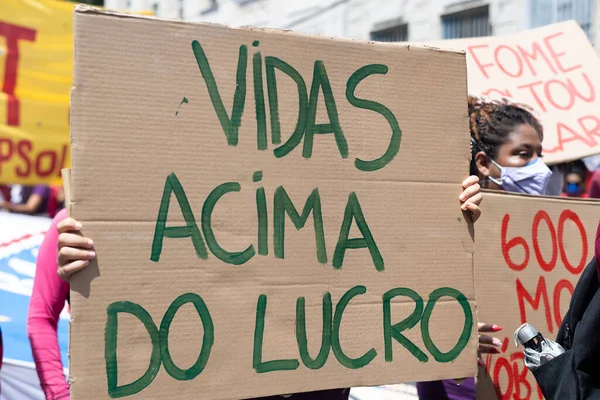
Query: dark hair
x=578, y=168
x=492, y=121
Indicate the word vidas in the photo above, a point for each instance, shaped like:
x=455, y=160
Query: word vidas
x=306, y=126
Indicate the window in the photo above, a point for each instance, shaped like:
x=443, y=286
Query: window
x=243, y=2
x=398, y=33
x=208, y=6
x=98, y=3
x=474, y=22
x=545, y=12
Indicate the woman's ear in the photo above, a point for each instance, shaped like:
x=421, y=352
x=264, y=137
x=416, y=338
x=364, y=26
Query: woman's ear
x=482, y=161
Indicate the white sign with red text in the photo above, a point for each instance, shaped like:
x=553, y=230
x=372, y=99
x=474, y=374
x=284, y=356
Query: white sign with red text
x=554, y=70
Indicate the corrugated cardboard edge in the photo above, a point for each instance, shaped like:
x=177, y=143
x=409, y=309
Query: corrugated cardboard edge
x=569, y=200
x=85, y=9
x=66, y=178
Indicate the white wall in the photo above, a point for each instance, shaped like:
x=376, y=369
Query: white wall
x=347, y=18
x=355, y=18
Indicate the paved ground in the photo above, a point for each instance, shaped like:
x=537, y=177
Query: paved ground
x=395, y=392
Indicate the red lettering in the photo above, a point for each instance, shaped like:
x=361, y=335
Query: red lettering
x=537, y=98
x=539, y=217
x=51, y=155
x=591, y=132
x=552, y=98
x=508, y=246
x=12, y=34
x=520, y=378
x=503, y=363
x=519, y=71
x=561, y=94
x=562, y=284
x=490, y=92
x=46, y=162
x=556, y=56
x=561, y=128
x=541, y=293
x=22, y=147
x=481, y=66
x=6, y=151
x=535, y=49
x=519, y=383
x=591, y=97
x=570, y=215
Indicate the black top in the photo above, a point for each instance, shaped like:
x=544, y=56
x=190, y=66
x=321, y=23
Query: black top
x=575, y=374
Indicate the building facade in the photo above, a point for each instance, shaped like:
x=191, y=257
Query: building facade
x=383, y=20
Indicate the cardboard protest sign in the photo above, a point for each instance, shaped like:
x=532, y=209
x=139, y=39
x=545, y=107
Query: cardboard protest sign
x=553, y=69
x=529, y=253
x=263, y=212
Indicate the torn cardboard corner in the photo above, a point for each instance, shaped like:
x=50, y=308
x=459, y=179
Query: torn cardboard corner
x=553, y=69
x=66, y=179
x=529, y=254
x=250, y=195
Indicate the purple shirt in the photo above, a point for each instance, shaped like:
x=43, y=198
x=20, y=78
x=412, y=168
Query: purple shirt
x=447, y=390
x=41, y=190
x=334, y=394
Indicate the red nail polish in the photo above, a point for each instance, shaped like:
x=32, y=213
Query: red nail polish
x=495, y=350
x=480, y=363
x=496, y=328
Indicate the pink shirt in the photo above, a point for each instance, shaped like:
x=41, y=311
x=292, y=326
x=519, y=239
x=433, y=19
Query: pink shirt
x=47, y=302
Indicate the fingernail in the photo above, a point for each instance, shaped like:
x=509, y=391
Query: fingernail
x=497, y=342
x=496, y=328
x=494, y=350
x=461, y=197
x=78, y=225
x=91, y=255
x=90, y=242
x=85, y=263
x=480, y=362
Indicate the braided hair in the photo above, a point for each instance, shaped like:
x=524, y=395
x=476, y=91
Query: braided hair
x=492, y=121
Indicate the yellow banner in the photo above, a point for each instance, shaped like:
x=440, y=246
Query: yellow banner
x=36, y=67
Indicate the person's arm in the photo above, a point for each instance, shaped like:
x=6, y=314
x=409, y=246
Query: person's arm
x=35, y=200
x=47, y=301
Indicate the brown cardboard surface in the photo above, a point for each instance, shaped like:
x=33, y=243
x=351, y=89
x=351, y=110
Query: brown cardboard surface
x=558, y=235
x=142, y=111
x=553, y=69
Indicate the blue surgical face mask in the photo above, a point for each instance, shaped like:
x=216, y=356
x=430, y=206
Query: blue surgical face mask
x=573, y=189
x=532, y=178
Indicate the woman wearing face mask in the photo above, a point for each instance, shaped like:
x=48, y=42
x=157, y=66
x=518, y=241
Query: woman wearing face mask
x=506, y=146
